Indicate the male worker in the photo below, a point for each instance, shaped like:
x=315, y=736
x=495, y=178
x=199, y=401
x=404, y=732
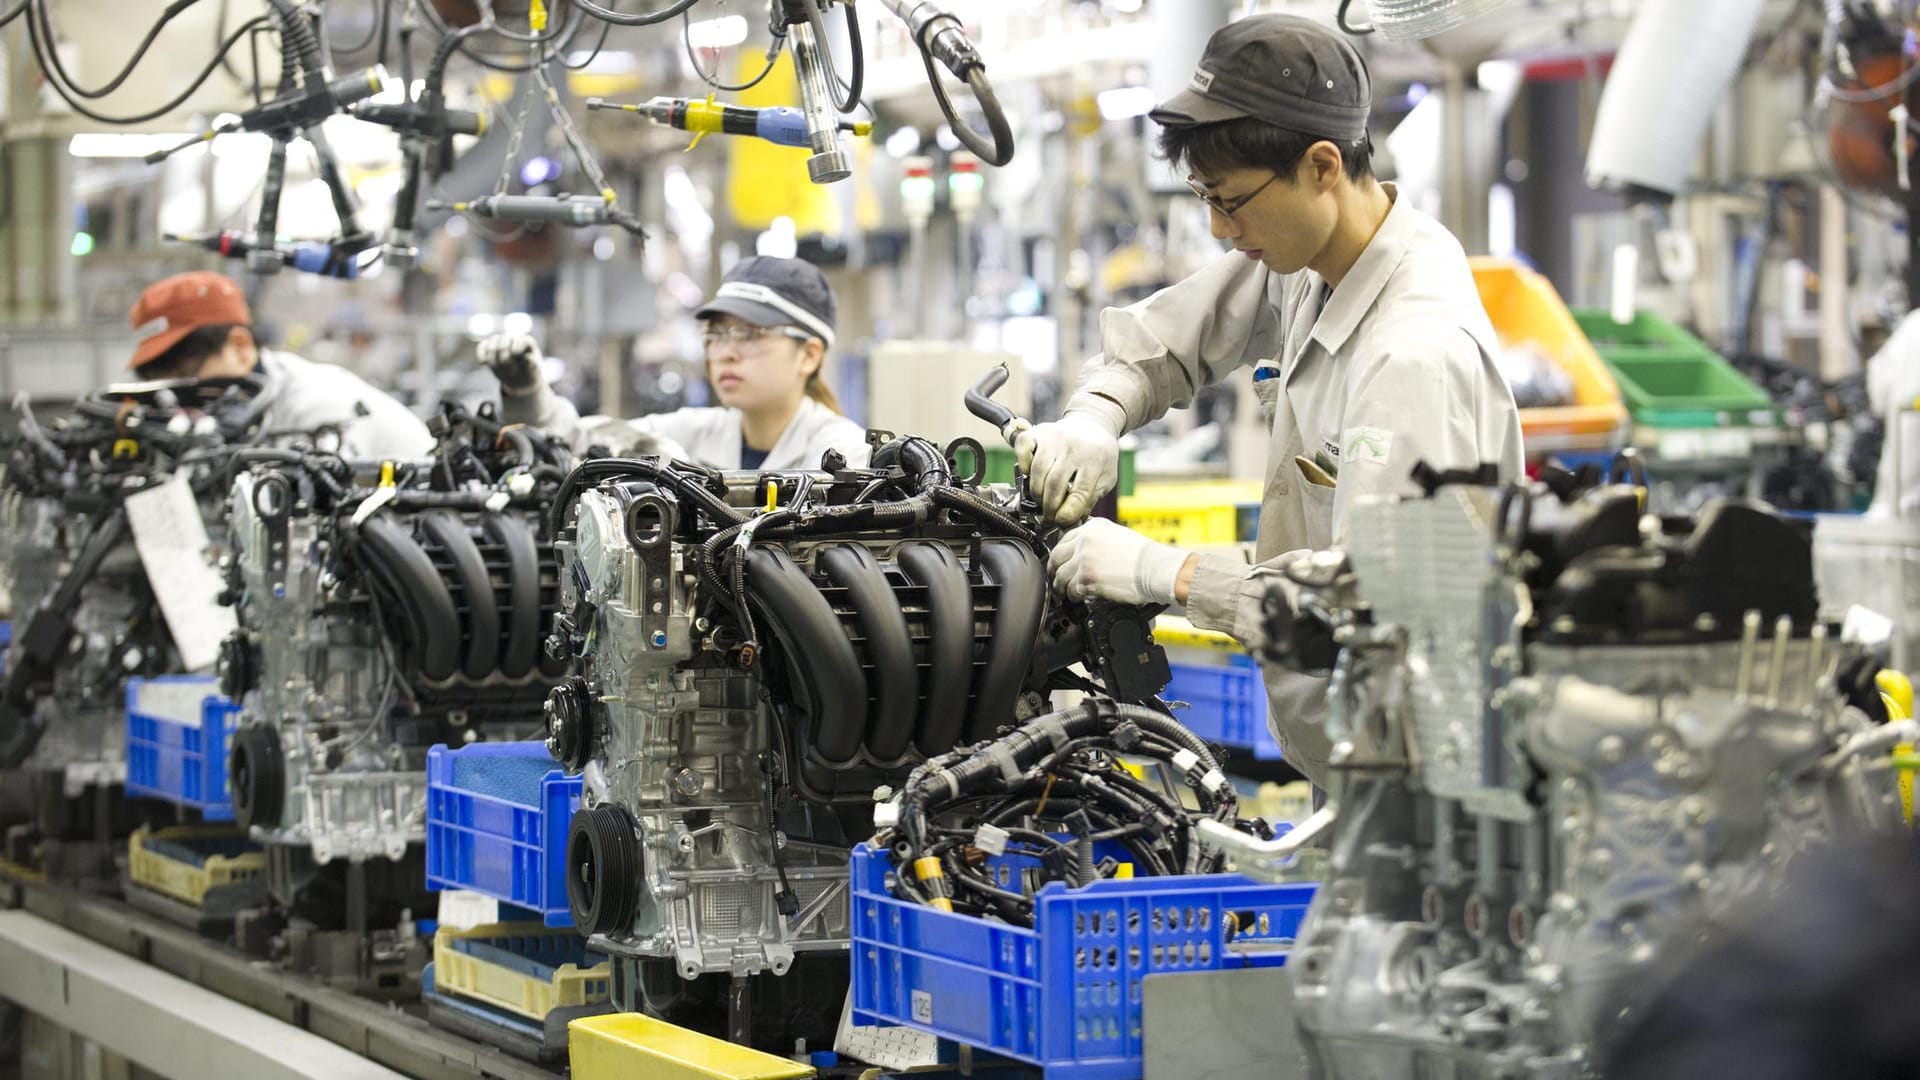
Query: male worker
x=198, y=326
x=1358, y=313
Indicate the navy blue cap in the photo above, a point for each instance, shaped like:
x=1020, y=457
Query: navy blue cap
x=766, y=291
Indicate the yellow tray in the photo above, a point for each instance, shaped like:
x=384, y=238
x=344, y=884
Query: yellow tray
x=1175, y=632
x=622, y=1046
x=479, y=979
x=182, y=880
x=1194, y=515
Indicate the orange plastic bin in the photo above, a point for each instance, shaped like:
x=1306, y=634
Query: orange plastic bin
x=1525, y=308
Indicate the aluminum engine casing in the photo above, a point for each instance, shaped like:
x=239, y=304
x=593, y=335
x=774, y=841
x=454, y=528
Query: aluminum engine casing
x=682, y=739
x=1535, y=824
x=117, y=631
x=321, y=672
x=331, y=703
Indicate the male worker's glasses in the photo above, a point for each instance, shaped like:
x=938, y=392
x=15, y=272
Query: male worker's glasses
x=1225, y=208
x=743, y=336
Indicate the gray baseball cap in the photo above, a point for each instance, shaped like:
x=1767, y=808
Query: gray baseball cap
x=1286, y=70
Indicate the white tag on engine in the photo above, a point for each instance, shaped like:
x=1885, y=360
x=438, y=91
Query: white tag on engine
x=172, y=542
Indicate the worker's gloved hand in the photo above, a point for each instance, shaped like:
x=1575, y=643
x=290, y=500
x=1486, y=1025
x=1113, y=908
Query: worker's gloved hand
x=514, y=359
x=1112, y=562
x=1074, y=460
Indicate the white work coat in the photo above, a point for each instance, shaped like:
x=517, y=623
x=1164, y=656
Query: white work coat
x=1395, y=367
x=303, y=396
x=1893, y=387
x=706, y=436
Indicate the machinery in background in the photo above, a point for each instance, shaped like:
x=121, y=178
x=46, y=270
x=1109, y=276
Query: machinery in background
x=383, y=607
x=86, y=611
x=1569, y=739
x=918, y=386
x=761, y=656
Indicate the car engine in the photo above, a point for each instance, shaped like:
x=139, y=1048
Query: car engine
x=85, y=611
x=1569, y=739
x=761, y=657
x=383, y=607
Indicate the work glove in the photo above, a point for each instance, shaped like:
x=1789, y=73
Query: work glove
x=1074, y=460
x=514, y=359
x=1112, y=562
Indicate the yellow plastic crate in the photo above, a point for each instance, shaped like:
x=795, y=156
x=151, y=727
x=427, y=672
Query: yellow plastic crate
x=183, y=880
x=620, y=1046
x=519, y=983
x=1194, y=515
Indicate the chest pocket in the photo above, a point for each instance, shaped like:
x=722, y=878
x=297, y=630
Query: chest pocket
x=1316, y=504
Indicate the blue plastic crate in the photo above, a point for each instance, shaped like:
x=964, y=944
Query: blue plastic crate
x=1227, y=704
x=497, y=819
x=178, y=728
x=1066, y=994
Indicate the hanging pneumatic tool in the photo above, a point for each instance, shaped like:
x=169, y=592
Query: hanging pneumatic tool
x=782, y=125
x=426, y=125
x=805, y=31
x=569, y=210
x=308, y=94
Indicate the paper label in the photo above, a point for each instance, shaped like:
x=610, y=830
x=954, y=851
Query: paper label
x=172, y=542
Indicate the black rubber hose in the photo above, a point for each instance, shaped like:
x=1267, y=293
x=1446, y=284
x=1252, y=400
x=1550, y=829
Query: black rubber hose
x=423, y=597
x=1016, y=629
x=522, y=444
x=943, y=712
x=980, y=401
x=469, y=567
x=820, y=658
x=982, y=512
x=894, y=685
x=44, y=638
x=654, y=469
x=521, y=646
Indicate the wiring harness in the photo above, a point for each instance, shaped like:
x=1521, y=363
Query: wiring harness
x=1092, y=792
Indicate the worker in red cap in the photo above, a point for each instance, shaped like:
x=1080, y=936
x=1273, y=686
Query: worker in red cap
x=197, y=326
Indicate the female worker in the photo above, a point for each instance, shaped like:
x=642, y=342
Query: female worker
x=767, y=331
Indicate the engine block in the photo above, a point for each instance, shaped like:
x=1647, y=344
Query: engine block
x=748, y=683
x=1569, y=740
x=383, y=608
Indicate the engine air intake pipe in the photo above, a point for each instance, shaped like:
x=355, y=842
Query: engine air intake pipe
x=895, y=688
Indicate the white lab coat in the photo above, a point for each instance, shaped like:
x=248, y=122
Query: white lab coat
x=1397, y=368
x=1893, y=383
x=303, y=396
x=707, y=436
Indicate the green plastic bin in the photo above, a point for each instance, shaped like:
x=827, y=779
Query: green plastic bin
x=1669, y=378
